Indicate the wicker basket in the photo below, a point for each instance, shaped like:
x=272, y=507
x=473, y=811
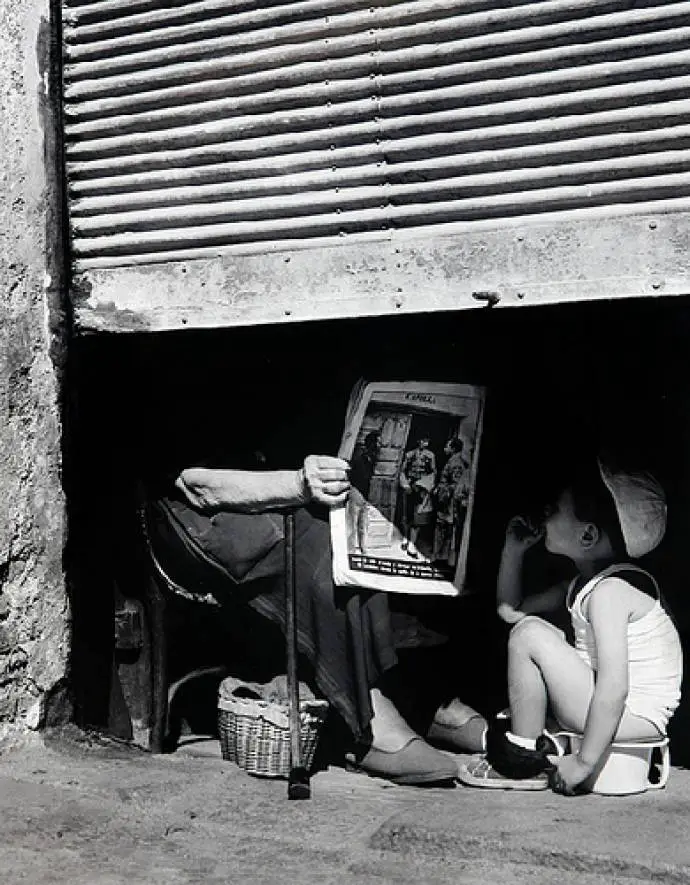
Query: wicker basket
x=255, y=734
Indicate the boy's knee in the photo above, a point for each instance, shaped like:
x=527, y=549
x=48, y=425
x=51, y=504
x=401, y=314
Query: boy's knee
x=531, y=631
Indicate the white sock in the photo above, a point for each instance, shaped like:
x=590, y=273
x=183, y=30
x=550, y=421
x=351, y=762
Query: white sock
x=527, y=743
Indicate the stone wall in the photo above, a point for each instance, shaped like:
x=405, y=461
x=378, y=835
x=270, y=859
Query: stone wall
x=34, y=609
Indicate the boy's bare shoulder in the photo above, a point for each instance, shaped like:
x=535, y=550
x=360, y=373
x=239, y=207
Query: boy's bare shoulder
x=614, y=590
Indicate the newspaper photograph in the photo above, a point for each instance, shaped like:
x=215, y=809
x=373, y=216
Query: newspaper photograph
x=413, y=449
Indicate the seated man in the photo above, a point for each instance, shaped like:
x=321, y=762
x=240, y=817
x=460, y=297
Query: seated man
x=227, y=522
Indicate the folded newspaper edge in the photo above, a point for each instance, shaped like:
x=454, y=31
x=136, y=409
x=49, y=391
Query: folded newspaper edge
x=413, y=449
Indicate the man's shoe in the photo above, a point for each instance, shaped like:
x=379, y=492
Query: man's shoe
x=415, y=764
x=466, y=738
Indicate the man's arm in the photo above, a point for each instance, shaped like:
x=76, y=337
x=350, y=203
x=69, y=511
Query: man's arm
x=322, y=479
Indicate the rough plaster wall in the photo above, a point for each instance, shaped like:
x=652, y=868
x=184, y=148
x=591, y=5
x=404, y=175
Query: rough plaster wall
x=33, y=600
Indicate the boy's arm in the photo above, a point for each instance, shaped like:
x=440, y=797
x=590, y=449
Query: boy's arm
x=550, y=600
x=509, y=584
x=608, y=610
x=509, y=593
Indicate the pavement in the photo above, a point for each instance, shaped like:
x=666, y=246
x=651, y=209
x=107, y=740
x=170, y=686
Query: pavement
x=85, y=810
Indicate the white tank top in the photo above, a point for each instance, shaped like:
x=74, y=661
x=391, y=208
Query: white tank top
x=655, y=657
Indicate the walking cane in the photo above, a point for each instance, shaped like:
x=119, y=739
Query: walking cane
x=298, y=780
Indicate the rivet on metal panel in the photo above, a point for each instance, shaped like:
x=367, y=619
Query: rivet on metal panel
x=520, y=238
x=491, y=298
x=657, y=284
x=652, y=225
x=288, y=313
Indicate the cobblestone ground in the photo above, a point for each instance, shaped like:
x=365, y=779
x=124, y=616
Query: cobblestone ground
x=85, y=811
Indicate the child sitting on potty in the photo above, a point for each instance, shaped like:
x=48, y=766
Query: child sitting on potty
x=621, y=680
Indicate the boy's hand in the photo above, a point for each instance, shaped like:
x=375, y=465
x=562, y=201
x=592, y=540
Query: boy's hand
x=568, y=774
x=522, y=534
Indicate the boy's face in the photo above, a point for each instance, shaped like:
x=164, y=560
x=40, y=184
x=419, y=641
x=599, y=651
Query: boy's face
x=562, y=527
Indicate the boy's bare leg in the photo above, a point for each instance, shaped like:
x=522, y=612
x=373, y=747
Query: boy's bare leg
x=543, y=667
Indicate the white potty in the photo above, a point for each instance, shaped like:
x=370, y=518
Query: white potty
x=625, y=767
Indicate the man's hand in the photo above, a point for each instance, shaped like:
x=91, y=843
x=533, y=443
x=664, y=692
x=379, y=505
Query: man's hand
x=326, y=479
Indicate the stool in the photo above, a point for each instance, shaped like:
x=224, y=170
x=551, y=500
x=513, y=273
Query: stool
x=159, y=584
x=625, y=767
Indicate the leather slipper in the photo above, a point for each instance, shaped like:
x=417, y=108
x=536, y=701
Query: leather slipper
x=414, y=764
x=465, y=738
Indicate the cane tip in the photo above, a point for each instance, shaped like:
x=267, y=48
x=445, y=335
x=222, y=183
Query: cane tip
x=298, y=784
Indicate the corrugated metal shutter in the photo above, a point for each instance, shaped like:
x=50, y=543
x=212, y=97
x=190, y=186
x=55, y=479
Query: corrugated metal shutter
x=203, y=127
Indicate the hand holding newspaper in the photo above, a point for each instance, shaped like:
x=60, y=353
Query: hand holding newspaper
x=413, y=449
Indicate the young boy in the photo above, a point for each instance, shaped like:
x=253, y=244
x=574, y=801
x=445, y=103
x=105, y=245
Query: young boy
x=621, y=680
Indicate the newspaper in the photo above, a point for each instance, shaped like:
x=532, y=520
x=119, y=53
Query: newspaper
x=413, y=449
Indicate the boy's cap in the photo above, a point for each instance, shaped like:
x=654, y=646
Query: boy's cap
x=641, y=507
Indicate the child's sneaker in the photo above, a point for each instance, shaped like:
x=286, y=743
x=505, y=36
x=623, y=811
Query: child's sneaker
x=509, y=759
x=479, y=772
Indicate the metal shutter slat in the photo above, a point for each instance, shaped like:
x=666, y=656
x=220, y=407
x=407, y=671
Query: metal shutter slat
x=137, y=189
x=99, y=77
x=647, y=208
x=390, y=122
x=640, y=118
x=212, y=126
x=157, y=106
x=554, y=199
x=261, y=196
x=320, y=95
x=432, y=65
